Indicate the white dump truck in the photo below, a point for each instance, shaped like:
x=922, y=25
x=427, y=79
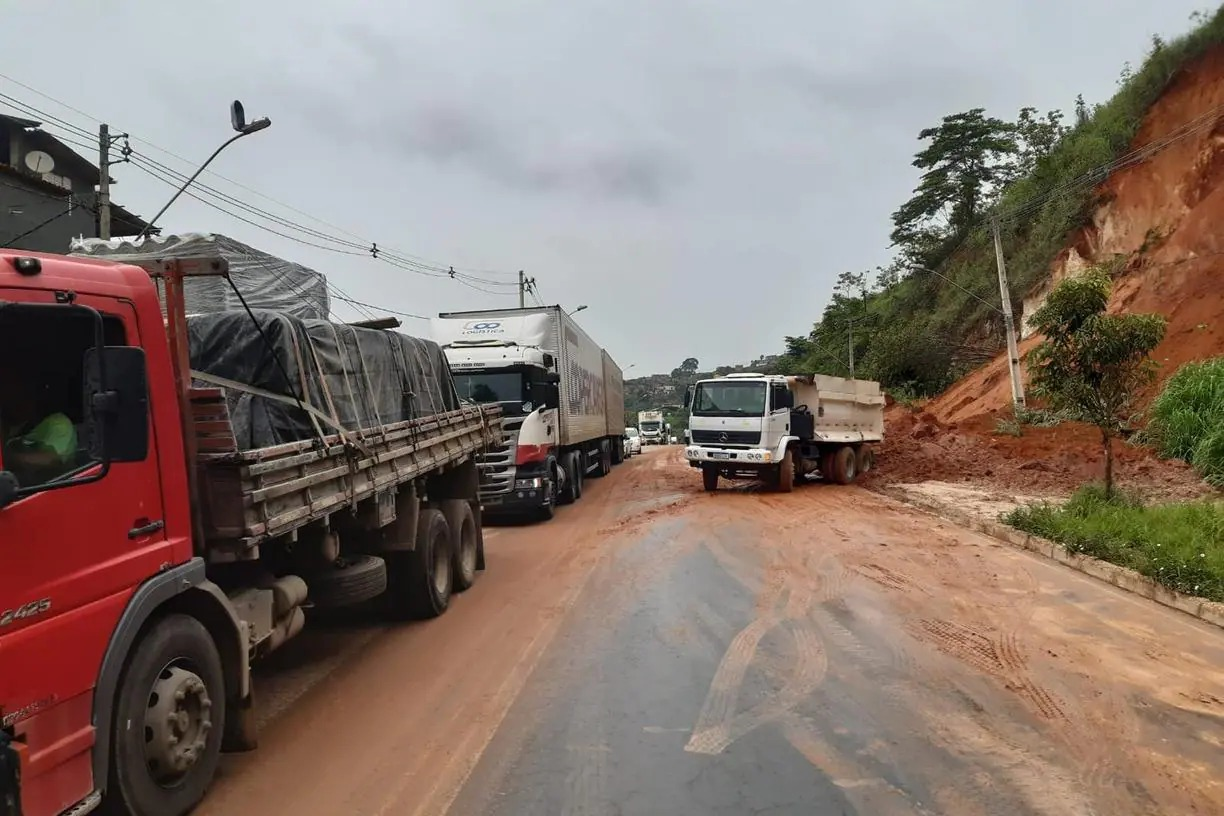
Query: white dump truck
x=783, y=428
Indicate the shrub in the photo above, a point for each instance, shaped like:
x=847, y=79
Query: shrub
x=1187, y=418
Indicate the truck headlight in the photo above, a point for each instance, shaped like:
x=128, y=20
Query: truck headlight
x=767, y=456
x=528, y=484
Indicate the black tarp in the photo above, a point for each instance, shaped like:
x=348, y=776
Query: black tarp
x=361, y=378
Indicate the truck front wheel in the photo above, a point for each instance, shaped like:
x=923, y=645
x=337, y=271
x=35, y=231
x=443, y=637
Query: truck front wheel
x=786, y=473
x=709, y=478
x=169, y=719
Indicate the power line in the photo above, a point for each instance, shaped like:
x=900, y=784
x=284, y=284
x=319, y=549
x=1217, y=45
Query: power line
x=405, y=260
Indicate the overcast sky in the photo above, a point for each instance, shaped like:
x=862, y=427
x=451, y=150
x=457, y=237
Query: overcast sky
x=697, y=173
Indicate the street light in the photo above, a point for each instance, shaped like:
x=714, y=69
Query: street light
x=244, y=128
x=579, y=309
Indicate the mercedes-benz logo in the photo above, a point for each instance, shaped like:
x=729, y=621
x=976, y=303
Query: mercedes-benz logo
x=722, y=437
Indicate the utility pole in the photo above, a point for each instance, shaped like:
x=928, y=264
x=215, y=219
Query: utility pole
x=104, y=210
x=1009, y=323
x=850, y=332
x=525, y=286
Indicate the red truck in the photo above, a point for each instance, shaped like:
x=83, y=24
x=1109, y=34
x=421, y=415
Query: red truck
x=140, y=583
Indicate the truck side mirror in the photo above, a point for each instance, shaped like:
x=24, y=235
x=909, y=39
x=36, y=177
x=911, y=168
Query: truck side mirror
x=545, y=394
x=117, y=403
x=688, y=397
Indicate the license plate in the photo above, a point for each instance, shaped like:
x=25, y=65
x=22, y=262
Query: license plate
x=720, y=455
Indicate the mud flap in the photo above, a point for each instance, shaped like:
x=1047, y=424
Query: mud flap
x=10, y=778
x=480, y=555
x=241, y=731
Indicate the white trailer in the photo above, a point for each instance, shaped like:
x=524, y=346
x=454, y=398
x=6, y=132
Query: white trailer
x=562, y=400
x=783, y=428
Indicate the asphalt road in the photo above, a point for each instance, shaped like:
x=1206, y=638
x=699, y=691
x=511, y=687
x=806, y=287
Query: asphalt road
x=656, y=650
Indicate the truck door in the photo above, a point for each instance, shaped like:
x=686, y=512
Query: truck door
x=778, y=422
x=74, y=543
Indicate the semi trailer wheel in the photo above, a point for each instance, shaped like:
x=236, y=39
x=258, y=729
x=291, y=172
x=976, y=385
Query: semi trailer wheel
x=419, y=581
x=464, y=545
x=605, y=459
x=169, y=719
x=844, y=465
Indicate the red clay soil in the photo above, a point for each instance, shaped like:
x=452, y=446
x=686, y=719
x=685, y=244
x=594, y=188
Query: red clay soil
x=1161, y=218
x=1042, y=461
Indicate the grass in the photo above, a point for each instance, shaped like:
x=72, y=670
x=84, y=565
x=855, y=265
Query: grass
x=1187, y=419
x=1180, y=546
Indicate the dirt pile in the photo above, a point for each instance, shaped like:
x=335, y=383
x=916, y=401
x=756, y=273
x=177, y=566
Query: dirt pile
x=919, y=447
x=1158, y=220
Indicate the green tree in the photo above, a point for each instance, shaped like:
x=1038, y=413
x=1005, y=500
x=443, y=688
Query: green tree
x=1092, y=366
x=963, y=163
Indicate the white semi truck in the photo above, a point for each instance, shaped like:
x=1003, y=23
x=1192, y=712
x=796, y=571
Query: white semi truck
x=652, y=427
x=562, y=401
x=783, y=428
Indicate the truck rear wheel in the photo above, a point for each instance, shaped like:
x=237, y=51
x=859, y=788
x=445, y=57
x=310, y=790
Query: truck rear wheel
x=865, y=460
x=844, y=465
x=419, y=581
x=605, y=459
x=709, y=478
x=786, y=473
x=464, y=544
x=618, y=451
x=169, y=719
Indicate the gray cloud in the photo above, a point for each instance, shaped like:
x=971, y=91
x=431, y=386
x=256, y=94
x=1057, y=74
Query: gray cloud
x=696, y=171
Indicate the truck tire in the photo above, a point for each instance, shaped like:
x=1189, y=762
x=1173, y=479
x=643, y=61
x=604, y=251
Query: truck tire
x=618, y=451
x=865, y=460
x=709, y=478
x=579, y=474
x=570, y=491
x=352, y=580
x=169, y=719
x=605, y=459
x=827, y=458
x=844, y=465
x=419, y=581
x=786, y=473
x=464, y=543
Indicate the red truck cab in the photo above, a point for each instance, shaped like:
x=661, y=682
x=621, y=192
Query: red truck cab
x=92, y=543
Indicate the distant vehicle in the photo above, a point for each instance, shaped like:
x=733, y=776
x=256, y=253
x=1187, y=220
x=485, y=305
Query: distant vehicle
x=633, y=442
x=671, y=440
x=650, y=423
x=783, y=428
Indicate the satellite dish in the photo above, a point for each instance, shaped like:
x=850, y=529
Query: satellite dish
x=39, y=162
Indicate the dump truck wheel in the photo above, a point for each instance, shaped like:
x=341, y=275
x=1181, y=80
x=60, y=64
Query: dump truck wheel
x=786, y=473
x=709, y=478
x=866, y=460
x=169, y=720
x=827, y=458
x=844, y=465
x=464, y=542
x=352, y=580
x=419, y=581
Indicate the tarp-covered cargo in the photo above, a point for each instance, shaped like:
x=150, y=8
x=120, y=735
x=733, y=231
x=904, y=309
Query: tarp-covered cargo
x=265, y=281
x=354, y=379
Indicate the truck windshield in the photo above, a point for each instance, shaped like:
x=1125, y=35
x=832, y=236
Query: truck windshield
x=650, y=426
x=499, y=386
x=729, y=399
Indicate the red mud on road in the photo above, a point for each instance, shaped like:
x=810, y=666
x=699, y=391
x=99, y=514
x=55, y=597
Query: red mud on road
x=919, y=447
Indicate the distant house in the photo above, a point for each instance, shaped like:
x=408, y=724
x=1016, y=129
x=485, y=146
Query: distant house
x=48, y=192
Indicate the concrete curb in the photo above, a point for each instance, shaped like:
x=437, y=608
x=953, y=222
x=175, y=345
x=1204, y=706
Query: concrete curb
x=1125, y=579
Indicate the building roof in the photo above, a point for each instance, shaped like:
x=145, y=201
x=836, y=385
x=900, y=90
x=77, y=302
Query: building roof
x=67, y=161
